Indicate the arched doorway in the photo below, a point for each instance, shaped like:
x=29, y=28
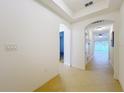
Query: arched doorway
x=99, y=44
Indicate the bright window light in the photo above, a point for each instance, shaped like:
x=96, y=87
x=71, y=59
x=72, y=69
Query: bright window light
x=100, y=36
x=99, y=28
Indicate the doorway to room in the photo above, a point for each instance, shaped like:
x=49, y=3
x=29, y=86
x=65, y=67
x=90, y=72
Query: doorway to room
x=61, y=34
x=65, y=44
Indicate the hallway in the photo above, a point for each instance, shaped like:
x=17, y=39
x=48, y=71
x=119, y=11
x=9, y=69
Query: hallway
x=100, y=58
x=97, y=78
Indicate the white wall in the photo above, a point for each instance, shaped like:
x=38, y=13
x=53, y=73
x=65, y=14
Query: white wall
x=67, y=46
x=35, y=32
x=111, y=52
x=121, y=48
x=78, y=53
x=89, y=46
x=77, y=46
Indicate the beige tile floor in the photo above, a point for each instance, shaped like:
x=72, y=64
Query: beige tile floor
x=97, y=78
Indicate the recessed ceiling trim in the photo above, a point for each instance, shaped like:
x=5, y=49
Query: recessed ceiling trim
x=60, y=7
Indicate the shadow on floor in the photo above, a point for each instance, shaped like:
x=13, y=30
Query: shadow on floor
x=54, y=85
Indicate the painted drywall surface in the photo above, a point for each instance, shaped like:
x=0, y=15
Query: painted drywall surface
x=89, y=45
x=67, y=46
x=77, y=49
x=78, y=56
x=121, y=48
x=111, y=52
x=64, y=7
x=34, y=30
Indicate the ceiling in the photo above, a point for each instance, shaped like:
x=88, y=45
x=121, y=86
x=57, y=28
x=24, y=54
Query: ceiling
x=77, y=5
x=74, y=10
x=102, y=35
x=102, y=28
x=105, y=23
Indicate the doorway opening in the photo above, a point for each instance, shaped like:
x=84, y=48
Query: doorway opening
x=98, y=45
x=65, y=45
x=61, y=34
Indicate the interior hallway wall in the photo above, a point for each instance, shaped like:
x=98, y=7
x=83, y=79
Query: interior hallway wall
x=67, y=46
x=121, y=48
x=34, y=30
x=89, y=45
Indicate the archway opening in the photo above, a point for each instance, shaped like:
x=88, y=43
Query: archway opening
x=99, y=43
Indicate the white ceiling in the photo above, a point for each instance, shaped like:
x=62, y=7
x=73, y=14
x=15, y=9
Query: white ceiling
x=77, y=5
x=106, y=28
x=104, y=33
x=106, y=24
x=74, y=10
